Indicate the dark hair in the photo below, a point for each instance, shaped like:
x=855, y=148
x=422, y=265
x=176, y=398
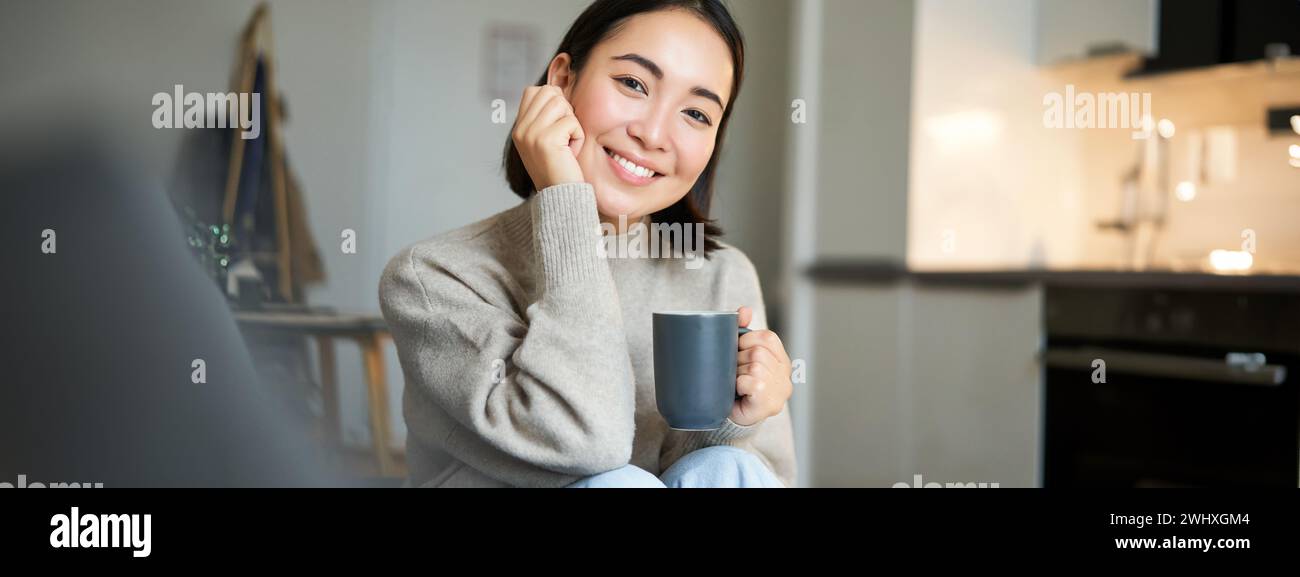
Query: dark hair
x=602, y=19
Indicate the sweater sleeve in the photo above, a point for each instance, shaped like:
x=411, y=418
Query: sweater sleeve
x=771, y=439
x=535, y=401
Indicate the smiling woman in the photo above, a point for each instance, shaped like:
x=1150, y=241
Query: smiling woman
x=526, y=348
x=656, y=97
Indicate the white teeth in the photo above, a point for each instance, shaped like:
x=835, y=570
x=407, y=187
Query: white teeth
x=632, y=167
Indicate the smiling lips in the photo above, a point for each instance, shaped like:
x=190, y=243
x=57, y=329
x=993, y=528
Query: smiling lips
x=630, y=171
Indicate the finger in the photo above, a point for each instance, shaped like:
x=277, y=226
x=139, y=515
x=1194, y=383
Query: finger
x=550, y=114
x=561, y=133
x=541, y=98
x=766, y=339
x=746, y=315
x=525, y=103
x=755, y=355
x=745, y=412
x=749, y=386
x=573, y=131
x=756, y=370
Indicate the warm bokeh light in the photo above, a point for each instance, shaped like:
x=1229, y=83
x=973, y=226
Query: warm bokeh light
x=1166, y=128
x=1231, y=260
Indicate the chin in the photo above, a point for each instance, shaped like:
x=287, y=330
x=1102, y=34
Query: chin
x=612, y=201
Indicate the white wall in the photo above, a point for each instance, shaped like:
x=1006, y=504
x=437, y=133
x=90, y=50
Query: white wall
x=750, y=186
x=863, y=123
x=990, y=187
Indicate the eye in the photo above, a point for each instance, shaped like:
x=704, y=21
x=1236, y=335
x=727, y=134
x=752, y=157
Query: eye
x=632, y=83
x=699, y=116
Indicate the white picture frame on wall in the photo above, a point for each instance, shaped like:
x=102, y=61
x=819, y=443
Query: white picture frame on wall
x=510, y=60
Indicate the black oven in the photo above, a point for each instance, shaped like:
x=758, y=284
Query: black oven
x=1155, y=388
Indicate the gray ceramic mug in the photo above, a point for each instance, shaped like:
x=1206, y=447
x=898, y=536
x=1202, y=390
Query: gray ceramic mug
x=695, y=367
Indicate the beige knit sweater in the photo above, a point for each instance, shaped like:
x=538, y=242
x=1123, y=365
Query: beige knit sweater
x=527, y=354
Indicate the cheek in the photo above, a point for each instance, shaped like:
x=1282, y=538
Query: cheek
x=693, y=153
x=599, y=112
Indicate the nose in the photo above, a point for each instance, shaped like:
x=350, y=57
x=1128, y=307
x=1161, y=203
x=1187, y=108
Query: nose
x=651, y=129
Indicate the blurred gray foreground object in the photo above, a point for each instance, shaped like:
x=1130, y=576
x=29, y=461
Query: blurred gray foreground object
x=100, y=337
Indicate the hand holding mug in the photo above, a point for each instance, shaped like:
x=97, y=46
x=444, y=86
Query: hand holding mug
x=762, y=374
x=709, y=368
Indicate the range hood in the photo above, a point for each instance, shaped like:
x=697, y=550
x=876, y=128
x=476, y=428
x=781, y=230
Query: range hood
x=1198, y=33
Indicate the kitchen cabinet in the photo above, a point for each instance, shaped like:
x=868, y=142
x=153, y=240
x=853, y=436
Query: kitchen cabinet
x=941, y=382
x=1069, y=29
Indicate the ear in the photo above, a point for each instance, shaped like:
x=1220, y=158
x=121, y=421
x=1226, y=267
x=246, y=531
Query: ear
x=560, y=73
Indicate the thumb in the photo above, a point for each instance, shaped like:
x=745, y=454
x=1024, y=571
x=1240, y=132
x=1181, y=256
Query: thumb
x=746, y=315
x=743, y=411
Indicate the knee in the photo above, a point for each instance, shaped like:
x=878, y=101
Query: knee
x=720, y=466
x=627, y=476
x=725, y=456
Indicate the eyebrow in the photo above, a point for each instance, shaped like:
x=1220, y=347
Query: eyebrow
x=659, y=74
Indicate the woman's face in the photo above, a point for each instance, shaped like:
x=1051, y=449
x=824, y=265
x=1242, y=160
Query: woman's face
x=652, y=94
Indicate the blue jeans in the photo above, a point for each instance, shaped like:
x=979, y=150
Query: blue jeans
x=710, y=467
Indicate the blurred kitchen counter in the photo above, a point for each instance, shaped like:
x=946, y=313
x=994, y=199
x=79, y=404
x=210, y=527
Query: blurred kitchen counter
x=872, y=272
